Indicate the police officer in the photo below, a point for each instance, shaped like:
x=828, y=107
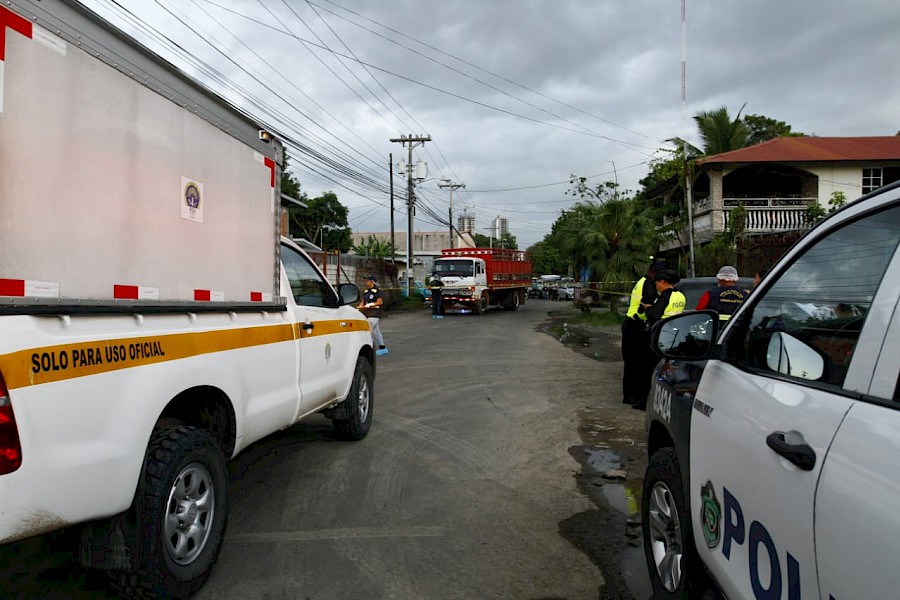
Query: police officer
x=636, y=339
x=371, y=305
x=436, y=286
x=726, y=297
x=670, y=301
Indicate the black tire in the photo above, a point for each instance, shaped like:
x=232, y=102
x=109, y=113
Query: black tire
x=668, y=542
x=353, y=418
x=482, y=305
x=180, y=512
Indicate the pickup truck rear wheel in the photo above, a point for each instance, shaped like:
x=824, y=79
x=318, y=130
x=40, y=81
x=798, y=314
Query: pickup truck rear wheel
x=352, y=420
x=668, y=542
x=180, y=511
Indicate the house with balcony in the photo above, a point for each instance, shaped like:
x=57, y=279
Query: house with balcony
x=777, y=181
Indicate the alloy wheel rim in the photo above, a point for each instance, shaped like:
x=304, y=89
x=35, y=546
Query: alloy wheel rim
x=665, y=536
x=363, y=399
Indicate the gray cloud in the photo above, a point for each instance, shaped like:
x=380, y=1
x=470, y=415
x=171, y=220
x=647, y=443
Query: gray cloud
x=609, y=72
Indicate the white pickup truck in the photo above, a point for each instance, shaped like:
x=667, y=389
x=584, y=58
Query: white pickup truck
x=153, y=321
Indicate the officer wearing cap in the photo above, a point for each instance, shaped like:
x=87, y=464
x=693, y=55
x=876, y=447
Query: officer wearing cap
x=670, y=301
x=636, y=338
x=726, y=297
x=371, y=306
x=436, y=286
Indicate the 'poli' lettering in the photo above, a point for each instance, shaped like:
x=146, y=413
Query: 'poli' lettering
x=735, y=532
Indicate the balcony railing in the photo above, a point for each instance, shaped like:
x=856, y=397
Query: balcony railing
x=771, y=214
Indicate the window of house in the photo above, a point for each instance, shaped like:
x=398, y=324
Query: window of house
x=823, y=298
x=871, y=180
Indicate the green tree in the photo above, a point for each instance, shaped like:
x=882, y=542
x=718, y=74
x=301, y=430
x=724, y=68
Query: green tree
x=323, y=222
x=546, y=258
x=507, y=240
x=289, y=185
x=611, y=241
x=763, y=129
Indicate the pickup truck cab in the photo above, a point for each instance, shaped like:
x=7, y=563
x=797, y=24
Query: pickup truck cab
x=775, y=475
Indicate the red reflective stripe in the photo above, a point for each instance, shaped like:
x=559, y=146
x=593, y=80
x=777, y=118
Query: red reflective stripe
x=12, y=287
x=271, y=164
x=14, y=22
x=201, y=295
x=255, y=296
x=125, y=292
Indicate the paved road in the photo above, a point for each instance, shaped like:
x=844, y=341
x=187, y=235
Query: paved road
x=459, y=491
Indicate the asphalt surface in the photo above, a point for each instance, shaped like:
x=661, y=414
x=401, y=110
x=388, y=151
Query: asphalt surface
x=482, y=477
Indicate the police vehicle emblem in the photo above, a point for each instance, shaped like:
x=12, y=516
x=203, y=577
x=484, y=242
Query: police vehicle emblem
x=327, y=352
x=710, y=513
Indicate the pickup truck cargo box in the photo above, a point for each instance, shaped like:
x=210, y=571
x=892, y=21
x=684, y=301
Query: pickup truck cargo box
x=124, y=181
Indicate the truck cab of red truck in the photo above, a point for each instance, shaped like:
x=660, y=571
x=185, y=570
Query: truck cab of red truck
x=477, y=278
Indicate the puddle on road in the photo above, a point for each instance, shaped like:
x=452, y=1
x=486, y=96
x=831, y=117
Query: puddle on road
x=570, y=337
x=622, y=498
x=603, y=460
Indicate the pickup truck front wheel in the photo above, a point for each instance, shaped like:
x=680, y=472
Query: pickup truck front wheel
x=353, y=417
x=180, y=511
x=668, y=542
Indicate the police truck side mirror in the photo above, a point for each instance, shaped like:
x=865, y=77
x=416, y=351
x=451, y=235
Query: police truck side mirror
x=688, y=336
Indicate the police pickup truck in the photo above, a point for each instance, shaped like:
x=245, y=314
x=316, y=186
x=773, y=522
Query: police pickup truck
x=774, y=456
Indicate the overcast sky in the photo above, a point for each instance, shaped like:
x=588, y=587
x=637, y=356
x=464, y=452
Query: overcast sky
x=518, y=95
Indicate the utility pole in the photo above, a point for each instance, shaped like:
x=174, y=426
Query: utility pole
x=391, y=173
x=449, y=185
x=410, y=142
x=687, y=170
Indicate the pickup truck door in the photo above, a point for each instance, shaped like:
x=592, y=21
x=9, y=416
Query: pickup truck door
x=323, y=326
x=857, y=521
x=766, y=414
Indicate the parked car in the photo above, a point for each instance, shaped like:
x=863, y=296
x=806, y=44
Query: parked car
x=565, y=291
x=773, y=448
x=420, y=290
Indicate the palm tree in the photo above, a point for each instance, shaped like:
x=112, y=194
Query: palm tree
x=719, y=132
x=613, y=239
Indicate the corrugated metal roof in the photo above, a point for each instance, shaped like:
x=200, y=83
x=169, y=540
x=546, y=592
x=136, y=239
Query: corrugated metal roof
x=813, y=149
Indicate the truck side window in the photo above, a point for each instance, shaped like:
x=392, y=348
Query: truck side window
x=307, y=285
x=823, y=298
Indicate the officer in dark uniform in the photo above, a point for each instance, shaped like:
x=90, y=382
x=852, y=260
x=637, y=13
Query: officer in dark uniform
x=726, y=297
x=636, y=339
x=670, y=301
x=436, y=286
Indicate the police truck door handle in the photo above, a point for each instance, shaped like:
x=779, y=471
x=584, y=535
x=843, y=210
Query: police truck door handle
x=307, y=325
x=800, y=454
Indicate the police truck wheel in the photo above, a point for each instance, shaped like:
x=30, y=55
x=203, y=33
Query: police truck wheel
x=180, y=511
x=668, y=542
x=353, y=417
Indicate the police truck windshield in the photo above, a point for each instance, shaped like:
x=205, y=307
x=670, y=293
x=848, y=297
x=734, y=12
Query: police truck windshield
x=453, y=268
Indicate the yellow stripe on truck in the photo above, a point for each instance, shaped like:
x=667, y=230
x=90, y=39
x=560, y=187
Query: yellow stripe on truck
x=68, y=361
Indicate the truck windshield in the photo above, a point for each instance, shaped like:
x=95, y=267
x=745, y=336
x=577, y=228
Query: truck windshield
x=453, y=268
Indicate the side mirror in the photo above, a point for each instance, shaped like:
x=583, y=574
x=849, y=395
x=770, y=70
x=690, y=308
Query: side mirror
x=349, y=293
x=789, y=356
x=688, y=336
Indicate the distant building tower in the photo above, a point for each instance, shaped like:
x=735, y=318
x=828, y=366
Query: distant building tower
x=499, y=227
x=466, y=222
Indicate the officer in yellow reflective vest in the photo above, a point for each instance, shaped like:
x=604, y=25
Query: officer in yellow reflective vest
x=636, y=339
x=670, y=301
